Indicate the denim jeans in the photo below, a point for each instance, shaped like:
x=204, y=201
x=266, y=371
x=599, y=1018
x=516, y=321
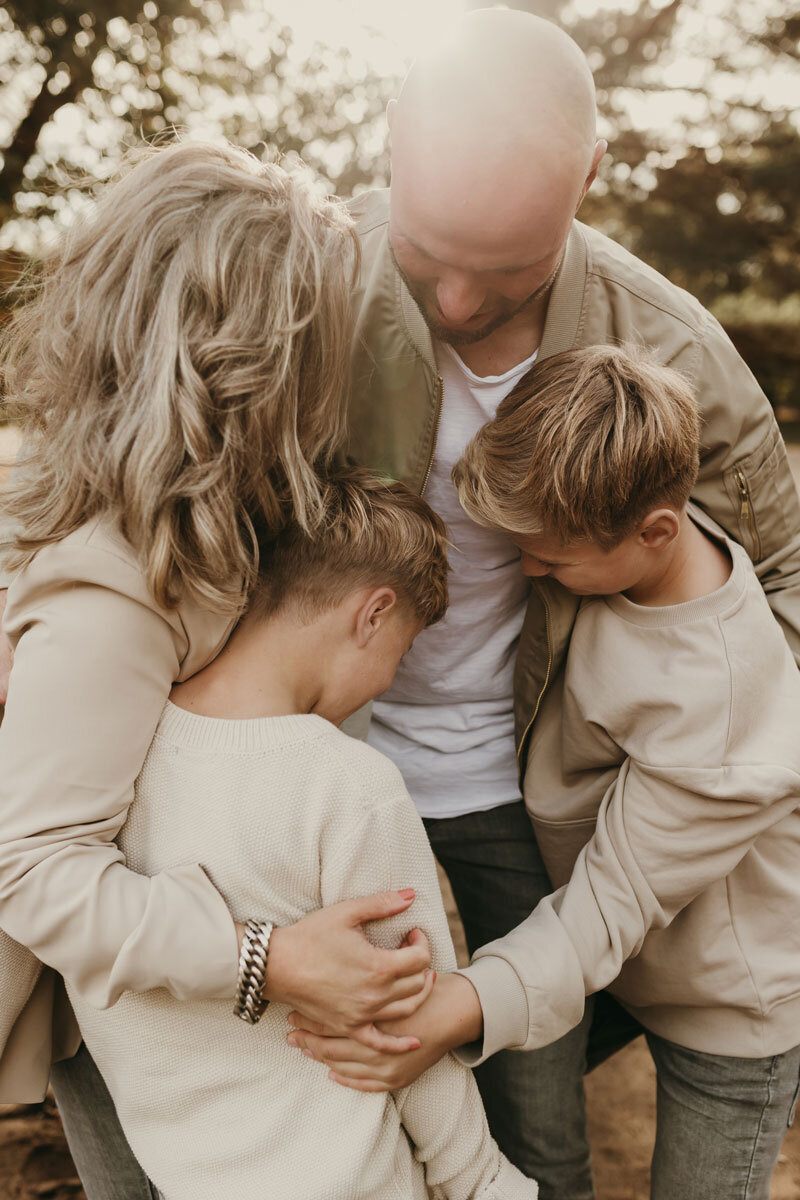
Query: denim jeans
x=99, y=1148
x=721, y=1120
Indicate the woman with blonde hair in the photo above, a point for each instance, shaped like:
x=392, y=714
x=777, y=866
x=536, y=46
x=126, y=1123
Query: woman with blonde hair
x=180, y=376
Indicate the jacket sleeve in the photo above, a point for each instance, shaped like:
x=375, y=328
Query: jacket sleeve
x=442, y=1110
x=745, y=481
x=664, y=834
x=94, y=664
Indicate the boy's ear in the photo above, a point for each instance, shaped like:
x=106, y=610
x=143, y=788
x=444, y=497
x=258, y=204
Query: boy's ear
x=373, y=613
x=659, y=528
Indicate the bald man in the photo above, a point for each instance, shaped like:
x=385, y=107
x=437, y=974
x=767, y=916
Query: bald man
x=473, y=267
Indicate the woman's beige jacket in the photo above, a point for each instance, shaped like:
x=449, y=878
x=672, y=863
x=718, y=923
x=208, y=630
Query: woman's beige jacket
x=90, y=582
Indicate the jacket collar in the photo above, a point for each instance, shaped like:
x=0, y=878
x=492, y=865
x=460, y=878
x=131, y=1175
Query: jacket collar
x=565, y=310
x=415, y=326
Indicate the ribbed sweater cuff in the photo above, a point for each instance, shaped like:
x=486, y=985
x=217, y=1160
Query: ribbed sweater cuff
x=505, y=1009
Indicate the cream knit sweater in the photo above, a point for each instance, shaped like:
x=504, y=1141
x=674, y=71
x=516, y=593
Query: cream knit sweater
x=285, y=814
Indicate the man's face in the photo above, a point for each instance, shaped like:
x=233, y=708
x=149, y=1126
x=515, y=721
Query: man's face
x=463, y=306
x=475, y=246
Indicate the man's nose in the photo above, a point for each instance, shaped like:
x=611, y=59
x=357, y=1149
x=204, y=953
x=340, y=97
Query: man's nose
x=459, y=296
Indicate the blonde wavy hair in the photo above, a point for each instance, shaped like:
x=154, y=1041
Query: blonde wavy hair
x=180, y=368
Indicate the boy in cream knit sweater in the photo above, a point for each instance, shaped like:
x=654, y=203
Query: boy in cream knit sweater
x=663, y=776
x=249, y=775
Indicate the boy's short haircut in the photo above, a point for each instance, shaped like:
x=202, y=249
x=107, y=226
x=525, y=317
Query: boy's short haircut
x=585, y=446
x=372, y=534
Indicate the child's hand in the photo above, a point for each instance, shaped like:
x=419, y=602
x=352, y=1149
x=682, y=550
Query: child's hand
x=324, y=966
x=450, y=1017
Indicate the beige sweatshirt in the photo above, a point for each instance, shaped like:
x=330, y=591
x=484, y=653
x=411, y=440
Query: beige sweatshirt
x=285, y=814
x=664, y=786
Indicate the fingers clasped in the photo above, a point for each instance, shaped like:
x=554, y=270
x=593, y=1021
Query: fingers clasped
x=354, y=1064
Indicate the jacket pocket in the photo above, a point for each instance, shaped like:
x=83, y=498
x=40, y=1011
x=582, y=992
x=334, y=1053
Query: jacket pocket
x=762, y=494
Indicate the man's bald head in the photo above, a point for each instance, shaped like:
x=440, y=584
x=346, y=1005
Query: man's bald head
x=493, y=144
x=512, y=78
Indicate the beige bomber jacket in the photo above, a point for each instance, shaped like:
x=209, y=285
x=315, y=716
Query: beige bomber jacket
x=95, y=657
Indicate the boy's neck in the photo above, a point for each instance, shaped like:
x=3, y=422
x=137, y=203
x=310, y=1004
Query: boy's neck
x=693, y=565
x=269, y=668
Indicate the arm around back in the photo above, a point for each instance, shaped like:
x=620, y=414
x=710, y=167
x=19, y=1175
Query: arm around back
x=442, y=1110
x=94, y=663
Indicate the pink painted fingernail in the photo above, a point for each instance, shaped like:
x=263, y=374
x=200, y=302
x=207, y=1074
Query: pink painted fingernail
x=308, y=1054
x=407, y=893
x=292, y=1040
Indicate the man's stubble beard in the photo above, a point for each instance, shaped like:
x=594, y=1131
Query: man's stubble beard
x=456, y=337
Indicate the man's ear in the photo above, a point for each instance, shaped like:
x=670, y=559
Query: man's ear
x=659, y=528
x=373, y=613
x=600, y=148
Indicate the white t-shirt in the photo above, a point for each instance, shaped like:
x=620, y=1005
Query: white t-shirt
x=448, y=719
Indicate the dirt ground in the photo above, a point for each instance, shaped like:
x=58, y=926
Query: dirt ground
x=35, y=1163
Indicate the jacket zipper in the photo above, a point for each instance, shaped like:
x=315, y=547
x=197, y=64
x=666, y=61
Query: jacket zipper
x=548, y=631
x=439, y=400
x=746, y=514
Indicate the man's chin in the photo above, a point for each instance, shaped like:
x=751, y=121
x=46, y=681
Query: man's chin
x=464, y=337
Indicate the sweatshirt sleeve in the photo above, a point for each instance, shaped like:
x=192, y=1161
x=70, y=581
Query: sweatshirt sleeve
x=442, y=1110
x=664, y=834
x=94, y=663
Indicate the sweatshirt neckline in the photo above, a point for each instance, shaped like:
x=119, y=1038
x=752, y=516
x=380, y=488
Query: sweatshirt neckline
x=184, y=728
x=712, y=605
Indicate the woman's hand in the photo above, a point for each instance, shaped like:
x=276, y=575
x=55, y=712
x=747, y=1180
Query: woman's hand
x=450, y=1017
x=324, y=966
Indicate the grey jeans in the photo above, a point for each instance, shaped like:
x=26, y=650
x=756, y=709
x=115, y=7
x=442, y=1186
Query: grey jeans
x=99, y=1148
x=721, y=1120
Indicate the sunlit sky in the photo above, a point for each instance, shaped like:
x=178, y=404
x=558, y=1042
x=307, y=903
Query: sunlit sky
x=383, y=36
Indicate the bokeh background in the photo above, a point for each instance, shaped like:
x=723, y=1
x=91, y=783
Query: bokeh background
x=700, y=103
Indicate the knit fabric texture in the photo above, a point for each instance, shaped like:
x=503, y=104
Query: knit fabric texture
x=285, y=814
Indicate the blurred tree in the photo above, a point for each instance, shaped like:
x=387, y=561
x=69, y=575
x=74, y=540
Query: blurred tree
x=62, y=46
x=704, y=159
x=700, y=180
x=109, y=72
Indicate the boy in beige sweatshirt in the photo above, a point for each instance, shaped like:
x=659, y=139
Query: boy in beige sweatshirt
x=249, y=775
x=663, y=778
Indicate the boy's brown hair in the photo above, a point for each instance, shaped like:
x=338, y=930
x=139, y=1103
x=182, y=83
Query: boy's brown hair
x=373, y=533
x=587, y=443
